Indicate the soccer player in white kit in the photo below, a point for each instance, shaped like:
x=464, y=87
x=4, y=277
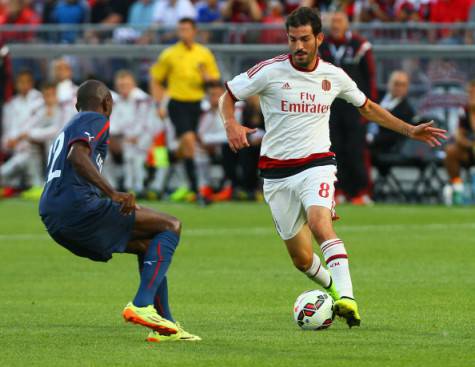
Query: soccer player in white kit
x=299, y=171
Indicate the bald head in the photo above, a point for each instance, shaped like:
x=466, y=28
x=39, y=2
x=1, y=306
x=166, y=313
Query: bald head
x=94, y=95
x=339, y=24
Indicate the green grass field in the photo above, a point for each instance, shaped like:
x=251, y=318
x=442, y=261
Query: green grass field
x=233, y=284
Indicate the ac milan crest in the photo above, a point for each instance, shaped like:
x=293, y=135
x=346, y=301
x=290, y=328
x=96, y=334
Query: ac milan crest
x=326, y=85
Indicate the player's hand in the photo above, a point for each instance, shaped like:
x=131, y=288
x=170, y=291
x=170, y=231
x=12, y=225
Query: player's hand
x=162, y=112
x=127, y=201
x=428, y=134
x=237, y=135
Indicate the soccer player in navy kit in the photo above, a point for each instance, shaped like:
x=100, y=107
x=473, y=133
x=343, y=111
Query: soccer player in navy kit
x=83, y=213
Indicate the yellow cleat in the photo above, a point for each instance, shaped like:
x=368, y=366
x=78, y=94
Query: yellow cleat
x=148, y=317
x=348, y=309
x=181, y=335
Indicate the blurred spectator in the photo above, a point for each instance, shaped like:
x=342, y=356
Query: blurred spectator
x=211, y=138
x=461, y=150
x=18, y=115
x=411, y=10
x=321, y=5
x=46, y=122
x=274, y=16
x=141, y=12
x=17, y=12
x=209, y=11
x=248, y=158
x=184, y=68
x=66, y=89
x=378, y=10
x=6, y=86
x=47, y=119
x=449, y=11
x=291, y=5
x=380, y=139
x=242, y=11
x=131, y=125
x=69, y=12
x=169, y=12
x=110, y=11
x=446, y=96
x=353, y=54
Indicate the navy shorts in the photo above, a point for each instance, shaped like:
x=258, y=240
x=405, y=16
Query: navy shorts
x=96, y=233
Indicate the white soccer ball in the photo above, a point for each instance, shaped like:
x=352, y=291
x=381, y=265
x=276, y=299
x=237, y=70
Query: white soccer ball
x=313, y=310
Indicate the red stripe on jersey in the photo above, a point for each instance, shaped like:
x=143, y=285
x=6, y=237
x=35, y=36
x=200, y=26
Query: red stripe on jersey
x=260, y=66
x=266, y=162
x=255, y=69
x=265, y=62
x=106, y=126
x=157, y=267
x=334, y=257
x=230, y=92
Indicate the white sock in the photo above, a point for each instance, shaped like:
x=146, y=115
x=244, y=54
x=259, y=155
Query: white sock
x=335, y=256
x=318, y=273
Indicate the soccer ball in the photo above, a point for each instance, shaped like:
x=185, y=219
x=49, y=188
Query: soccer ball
x=313, y=310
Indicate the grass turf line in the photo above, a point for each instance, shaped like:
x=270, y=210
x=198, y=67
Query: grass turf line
x=415, y=289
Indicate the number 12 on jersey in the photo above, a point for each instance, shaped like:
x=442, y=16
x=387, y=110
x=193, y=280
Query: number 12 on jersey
x=53, y=155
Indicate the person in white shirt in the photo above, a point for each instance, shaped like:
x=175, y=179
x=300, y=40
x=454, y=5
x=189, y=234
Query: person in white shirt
x=18, y=120
x=66, y=89
x=168, y=12
x=299, y=171
x=132, y=120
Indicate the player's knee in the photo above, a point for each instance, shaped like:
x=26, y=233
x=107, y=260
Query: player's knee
x=302, y=262
x=174, y=225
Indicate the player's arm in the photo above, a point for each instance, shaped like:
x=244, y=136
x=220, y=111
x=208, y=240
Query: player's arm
x=79, y=156
x=236, y=133
x=158, y=75
x=423, y=132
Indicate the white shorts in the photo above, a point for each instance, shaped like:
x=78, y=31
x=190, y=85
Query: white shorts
x=289, y=198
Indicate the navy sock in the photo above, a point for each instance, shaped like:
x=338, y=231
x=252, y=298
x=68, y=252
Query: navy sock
x=161, y=297
x=156, y=261
x=161, y=301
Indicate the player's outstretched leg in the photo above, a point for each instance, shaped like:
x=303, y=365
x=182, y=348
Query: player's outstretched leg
x=336, y=257
x=157, y=255
x=301, y=251
x=147, y=222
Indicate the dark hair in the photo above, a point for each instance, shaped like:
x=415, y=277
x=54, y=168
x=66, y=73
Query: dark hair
x=188, y=20
x=304, y=16
x=48, y=85
x=25, y=72
x=91, y=94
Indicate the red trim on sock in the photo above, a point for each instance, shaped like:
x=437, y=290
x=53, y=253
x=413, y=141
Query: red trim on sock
x=319, y=266
x=326, y=246
x=159, y=263
x=329, y=246
x=334, y=257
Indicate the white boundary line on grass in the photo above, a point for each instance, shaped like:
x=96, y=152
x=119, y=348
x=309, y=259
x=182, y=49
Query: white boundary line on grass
x=261, y=231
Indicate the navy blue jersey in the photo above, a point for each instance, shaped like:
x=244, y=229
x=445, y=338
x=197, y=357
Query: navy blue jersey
x=66, y=194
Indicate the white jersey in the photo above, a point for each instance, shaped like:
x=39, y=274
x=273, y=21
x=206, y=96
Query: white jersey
x=18, y=116
x=66, y=94
x=133, y=117
x=296, y=106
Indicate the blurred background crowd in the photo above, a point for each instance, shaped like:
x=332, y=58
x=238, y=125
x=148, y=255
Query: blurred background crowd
x=150, y=157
